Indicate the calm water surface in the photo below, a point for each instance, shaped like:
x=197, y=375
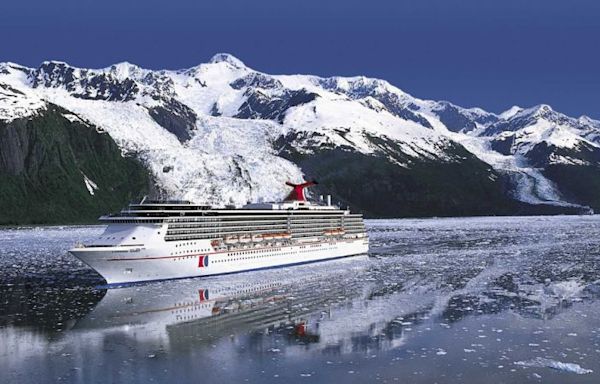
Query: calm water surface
x=498, y=300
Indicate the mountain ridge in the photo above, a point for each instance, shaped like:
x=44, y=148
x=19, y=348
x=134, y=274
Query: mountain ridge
x=223, y=133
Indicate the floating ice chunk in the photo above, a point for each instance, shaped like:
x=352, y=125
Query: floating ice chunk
x=567, y=290
x=540, y=362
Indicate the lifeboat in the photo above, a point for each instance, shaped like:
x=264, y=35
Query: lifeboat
x=245, y=239
x=281, y=235
x=333, y=232
x=257, y=237
x=231, y=239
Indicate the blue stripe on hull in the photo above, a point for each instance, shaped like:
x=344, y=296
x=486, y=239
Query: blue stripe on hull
x=122, y=285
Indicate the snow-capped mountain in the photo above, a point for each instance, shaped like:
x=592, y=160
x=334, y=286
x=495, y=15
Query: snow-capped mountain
x=223, y=133
x=525, y=130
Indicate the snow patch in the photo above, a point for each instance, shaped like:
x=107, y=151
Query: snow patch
x=17, y=104
x=89, y=184
x=71, y=117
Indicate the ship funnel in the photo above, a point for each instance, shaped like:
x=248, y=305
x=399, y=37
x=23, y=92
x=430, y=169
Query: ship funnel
x=328, y=200
x=297, y=193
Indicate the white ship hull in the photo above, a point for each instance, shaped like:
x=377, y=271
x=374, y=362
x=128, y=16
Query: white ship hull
x=125, y=264
x=159, y=240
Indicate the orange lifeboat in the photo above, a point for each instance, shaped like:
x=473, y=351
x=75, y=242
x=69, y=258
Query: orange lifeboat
x=334, y=232
x=257, y=237
x=232, y=239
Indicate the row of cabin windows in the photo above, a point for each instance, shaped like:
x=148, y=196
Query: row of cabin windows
x=186, y=244
x=315, y=226
x=232, y=254
x=144, y=221
x=190, y=309
x=254, y=227
x=189, y=243
x=258, y=252
x=228, y=230
x=233, y=219
x=169, y=237
x=190, y=250
x=175, y=235
x=230, y=225
x=260, y=256
x=228, y=259
x=190, y=317
x=245, y=290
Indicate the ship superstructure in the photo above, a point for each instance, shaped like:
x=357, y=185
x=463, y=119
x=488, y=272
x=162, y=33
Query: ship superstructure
x=155, y=240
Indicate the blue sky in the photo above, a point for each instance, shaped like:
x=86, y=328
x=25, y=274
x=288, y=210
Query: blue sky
x=487, y=53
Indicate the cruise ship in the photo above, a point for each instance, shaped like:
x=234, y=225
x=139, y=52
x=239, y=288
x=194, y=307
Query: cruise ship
x=158, y=240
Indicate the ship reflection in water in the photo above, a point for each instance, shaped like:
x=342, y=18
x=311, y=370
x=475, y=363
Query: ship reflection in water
x=450, y=300
x=300, y=310
x=197, y=311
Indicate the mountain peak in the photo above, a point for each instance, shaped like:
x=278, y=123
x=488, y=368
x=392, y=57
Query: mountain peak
x=123, y=70
x=541, y=109
x=584, y=119
x=227, y=58
x=510, y=112
x=537, y=111
x=55, y=62
x=50, y=66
